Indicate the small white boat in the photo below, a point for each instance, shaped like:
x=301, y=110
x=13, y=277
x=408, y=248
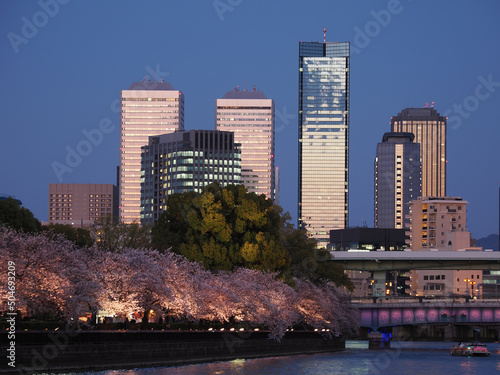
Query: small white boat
x=469, y=349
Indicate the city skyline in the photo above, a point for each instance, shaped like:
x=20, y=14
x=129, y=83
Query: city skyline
x=63, y=70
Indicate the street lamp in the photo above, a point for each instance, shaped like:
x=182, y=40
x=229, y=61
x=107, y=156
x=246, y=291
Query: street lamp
x=467, y=282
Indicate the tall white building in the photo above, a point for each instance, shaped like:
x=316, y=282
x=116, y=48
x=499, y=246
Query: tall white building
x=250, y=116
x=147, y=109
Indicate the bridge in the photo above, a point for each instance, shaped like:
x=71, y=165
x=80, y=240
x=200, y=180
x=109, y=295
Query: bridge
x=376, y=315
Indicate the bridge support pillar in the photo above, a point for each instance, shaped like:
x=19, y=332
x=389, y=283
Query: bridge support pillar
x=401, y=333
x=450, y=332
x=378, y=287
x=378, y=340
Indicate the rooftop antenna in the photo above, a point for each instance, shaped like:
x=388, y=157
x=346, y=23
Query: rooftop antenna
x=324, y=34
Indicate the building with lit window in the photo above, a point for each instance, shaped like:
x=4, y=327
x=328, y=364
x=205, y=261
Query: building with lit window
x=429, y=128
x=81, y=205
x=147, y=109
x=323, y=190
x=185, y=161
x=439, y=223
x=250, y=116
x=397, y=179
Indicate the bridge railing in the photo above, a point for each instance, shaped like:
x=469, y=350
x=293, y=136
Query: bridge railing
x=403, y=300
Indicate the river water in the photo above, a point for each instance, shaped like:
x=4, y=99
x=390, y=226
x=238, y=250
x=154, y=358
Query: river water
x=408, y=358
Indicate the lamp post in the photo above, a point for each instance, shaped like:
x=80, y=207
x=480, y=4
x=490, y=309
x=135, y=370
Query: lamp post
x=467, y=283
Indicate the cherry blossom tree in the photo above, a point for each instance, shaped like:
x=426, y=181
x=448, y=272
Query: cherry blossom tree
x=57, y=279
x=51, y=277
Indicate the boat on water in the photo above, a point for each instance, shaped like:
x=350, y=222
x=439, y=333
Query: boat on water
x=470, y=349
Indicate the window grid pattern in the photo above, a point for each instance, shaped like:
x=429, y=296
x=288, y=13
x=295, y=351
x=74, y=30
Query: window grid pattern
x=323, y=138
x=144, y=113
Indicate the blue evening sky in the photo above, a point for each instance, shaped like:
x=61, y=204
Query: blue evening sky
x=64, y=63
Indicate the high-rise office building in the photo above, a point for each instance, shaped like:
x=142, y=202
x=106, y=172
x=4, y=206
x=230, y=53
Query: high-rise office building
x=185, y=161
x=147, y=109
x=82, y=204
x=397, y=179
x=429, y=128
x=250, y=116
x=323, y=138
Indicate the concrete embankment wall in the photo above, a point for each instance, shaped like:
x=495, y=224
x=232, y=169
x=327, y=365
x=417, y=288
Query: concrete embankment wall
x=96, y=350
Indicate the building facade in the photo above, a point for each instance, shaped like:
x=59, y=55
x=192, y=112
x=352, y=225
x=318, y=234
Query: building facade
x=434, y=220
x=185, y=161
x=397, y=179
x=323, y=191
x=440, y=223
x=250, y=116
x=429, y=128
x=147, y=109
x=82, y=205
x=368, y=239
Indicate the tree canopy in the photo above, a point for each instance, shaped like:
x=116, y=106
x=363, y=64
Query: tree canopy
x=224, y=228
x=80, y=236
x=13, y=215
x=115, y=236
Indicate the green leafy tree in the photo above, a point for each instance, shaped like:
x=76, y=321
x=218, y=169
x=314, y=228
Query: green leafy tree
x=224, y=228
x=309, y=262
x=16, y=217
x=79, y=236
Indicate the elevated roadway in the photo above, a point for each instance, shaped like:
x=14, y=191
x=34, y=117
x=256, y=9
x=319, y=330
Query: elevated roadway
x=417, y=260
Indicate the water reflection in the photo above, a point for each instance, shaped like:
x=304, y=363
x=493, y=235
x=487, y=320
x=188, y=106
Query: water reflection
x=409, y=358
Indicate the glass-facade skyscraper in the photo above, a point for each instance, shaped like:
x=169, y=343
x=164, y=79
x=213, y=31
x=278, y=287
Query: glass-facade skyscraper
x=323, y=138
x=185, y=161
